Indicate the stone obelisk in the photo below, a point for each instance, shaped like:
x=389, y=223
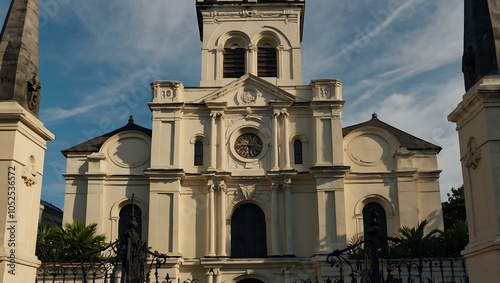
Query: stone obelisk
x=478, y=124
x=22, y=143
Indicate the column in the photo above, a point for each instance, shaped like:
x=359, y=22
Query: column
x=286, y=140
x=211, y=221
x=210, y=276
x=218, y=275
x=213, y=142
x=317, y=140
x=274, y=220
x=275, y=141
x=288, y=215
x=252, y=59
x=222, y=219
x=222, y=143
x=219, y=61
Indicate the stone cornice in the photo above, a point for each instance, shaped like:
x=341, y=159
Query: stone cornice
x=486, y=93
x=11, y=113
x=164, y=174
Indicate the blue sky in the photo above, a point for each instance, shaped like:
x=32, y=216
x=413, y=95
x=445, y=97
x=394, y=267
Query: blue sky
x=399, y=58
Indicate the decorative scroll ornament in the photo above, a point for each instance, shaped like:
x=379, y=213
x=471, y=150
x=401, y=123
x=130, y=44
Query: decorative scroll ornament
x=211, y=188
x=247, y=191
x=222, y=187
x=472, y=156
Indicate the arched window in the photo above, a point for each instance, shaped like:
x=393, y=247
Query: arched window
x=234, y=61
x=125, y=214
x=248, y=232
x=198, y=153
x=297, y=151
x=267, y=61
x=369, y=211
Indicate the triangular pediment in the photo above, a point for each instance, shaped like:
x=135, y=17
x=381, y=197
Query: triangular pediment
x=249, y=90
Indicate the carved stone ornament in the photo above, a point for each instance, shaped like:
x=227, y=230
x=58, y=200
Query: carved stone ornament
x=33, y=95
x=247, y=191
x=29, y=173
x=472, y=156
x=222, y=187
x=248, y=96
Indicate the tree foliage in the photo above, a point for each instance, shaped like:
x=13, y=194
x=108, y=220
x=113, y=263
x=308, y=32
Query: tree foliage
x=454, y=208
x=416, y=242
x=75, y=242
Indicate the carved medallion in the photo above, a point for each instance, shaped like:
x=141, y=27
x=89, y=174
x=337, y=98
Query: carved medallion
x=248, y=96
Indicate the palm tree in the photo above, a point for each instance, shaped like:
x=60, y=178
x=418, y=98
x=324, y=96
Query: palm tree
x=414, y=242
x=48, y=244
x=81, y=241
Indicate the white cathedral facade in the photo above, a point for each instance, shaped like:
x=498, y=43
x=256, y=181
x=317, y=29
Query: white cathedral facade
x=251, y=177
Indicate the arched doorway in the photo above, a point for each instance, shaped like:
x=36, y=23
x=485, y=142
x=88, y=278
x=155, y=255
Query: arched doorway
x=369, y=211
x=125, y=213
x=248, y=233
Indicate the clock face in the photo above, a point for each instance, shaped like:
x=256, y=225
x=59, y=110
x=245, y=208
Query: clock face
x=248, y=145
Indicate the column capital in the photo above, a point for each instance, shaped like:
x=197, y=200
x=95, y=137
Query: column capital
x=275, y=186
x=287, y=186
x=216, y=114
x=222, y=187
x=210, y=187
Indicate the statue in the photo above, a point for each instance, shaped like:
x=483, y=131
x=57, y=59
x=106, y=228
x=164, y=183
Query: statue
x=481, y=40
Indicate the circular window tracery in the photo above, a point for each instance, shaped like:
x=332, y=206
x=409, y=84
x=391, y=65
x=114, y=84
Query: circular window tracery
x=248, y=145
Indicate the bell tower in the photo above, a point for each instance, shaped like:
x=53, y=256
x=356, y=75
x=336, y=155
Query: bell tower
x=23, y=138
x=258, y=37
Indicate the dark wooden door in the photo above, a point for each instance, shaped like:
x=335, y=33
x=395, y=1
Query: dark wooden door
x=248, y=232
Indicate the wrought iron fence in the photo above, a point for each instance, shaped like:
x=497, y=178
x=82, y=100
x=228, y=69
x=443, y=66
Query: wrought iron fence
x=127, y=260
x=371, y=261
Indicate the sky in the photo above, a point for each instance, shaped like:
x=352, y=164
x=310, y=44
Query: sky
x=398, y=58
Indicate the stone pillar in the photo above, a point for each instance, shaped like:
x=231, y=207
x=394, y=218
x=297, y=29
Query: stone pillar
x=222, y=144
x=275, y=150
x=218, y=275
x=478, y=128
x=210, y=276
x=213, y=141
x=252, y=59
x=222, y=219
x=211, y=221
x=289, y=219
x=286, y=139
x=274, y=220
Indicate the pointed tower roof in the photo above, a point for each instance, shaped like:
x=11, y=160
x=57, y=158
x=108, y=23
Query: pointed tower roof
x=95, y=144
x=406, y=140
x=19, y=56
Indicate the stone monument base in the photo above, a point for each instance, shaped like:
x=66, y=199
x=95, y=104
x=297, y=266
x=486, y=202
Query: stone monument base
x=22, y=149
x=478, y=124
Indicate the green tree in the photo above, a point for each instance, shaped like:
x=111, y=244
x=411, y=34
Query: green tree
x=414, y=242
x=75, y=242
x=454, y=208
x=453, y=240
x=81, y=241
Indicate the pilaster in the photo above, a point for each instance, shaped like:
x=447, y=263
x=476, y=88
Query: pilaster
x=164, y=210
